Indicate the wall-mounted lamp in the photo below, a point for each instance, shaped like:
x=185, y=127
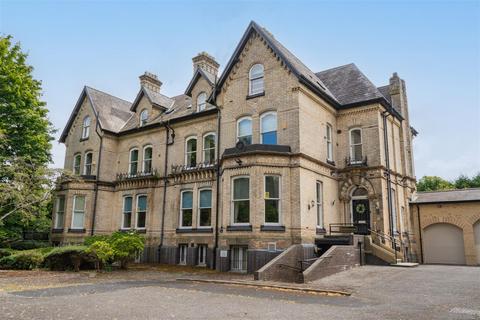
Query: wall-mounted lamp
x=311, y=204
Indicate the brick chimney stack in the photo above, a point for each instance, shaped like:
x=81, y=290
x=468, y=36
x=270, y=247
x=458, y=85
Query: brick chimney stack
x=150, y=81
x=206, y=62
x=398, y=94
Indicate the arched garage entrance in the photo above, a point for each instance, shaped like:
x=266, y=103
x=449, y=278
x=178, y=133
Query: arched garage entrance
x=443, y=243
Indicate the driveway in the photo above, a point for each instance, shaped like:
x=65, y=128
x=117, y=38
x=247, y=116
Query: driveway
x=425, y=292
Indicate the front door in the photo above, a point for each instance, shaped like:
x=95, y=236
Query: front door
x=361, y=215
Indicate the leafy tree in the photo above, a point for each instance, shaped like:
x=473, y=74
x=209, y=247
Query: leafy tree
x=25, y=135
x=463, y=182
x=433, y=183
x=24, y=127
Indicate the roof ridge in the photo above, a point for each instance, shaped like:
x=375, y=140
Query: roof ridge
x=448, y=190
x=106, y=93
x=338, y=67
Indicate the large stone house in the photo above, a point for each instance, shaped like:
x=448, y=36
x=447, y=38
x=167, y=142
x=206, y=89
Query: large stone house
x=242, y=164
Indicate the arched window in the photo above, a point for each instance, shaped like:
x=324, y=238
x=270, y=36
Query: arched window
x=268, y=128
x=244, y=130
x=87, y=168
x=143, y=117
x=256, y=79
x=133, y=162
x=209, y=148
x=202, y=101
x=86, y=127
x=191, y=152
x=77, y=159
x=356, y=153
x=147, y=159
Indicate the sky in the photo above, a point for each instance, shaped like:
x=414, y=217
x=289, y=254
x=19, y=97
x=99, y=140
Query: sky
x=433, y=45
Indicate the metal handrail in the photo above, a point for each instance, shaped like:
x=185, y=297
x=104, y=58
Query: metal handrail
x=392, y=239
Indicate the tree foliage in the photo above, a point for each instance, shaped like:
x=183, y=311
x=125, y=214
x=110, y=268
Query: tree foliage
x=24, y=127
x=434, y=183
x=25, y=136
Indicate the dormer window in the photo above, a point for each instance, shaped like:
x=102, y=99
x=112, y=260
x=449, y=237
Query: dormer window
x=202, y=101
x=256, y=79
x=86, y=127
x=143, y=117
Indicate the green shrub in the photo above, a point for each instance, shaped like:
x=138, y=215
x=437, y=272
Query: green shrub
x=91, y=239
x=102, y=251
x=4, y=252
x=29, y=244
x=22, y=260
x=125, y=245
x=69, y=257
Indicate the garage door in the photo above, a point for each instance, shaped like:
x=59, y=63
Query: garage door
x=443, y=243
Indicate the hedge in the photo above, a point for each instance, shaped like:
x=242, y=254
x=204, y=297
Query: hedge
x=22, y=260
x=6, y=252
x=69, y=258
x=29, y=244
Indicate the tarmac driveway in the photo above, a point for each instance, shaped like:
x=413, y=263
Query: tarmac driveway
x=425, y=292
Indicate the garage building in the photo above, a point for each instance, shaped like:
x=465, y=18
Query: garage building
x=448, y=226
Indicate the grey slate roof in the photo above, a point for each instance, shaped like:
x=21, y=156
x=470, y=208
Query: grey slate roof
x=111, y=112
x=158, y=98
x=196, y=75
x=385, y=91
x=447, y=196
x=349, y=85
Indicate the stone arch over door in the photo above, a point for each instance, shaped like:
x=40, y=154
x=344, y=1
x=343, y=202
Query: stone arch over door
x=348, y=187
x=443, y=244
x=476, y=234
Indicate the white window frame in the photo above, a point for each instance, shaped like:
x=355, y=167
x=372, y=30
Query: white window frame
x=73, y=211
x=57, y=211
x=138, y=211
x=232, y=201
x=86, y=164
x=130, y=173
x=202, y=106
x=202, y=255
x=86, y=123
x=279, y=199
x=329, y=138
x=182, y=254
x=261, y=125
x=319, y=210
x=393, y=194
x=123, y=212
x=75, y=156
x=205, y=149
x=353, y=145
x=253, y=78
x=180, y=222
x=189, y=152
x=143, y=117
x=144, y=160
x=199, y=207
x=251, y=128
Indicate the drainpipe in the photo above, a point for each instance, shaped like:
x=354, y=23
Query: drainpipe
x=168, y=129
x=385, y=114
x=95, y=189
x=217, y=196
x=420, y=233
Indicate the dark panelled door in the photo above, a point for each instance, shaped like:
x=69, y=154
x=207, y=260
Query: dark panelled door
x=361, y=215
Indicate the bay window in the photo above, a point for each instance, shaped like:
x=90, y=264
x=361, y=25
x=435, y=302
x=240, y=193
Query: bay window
x=59, y=212
x=205, y=208
x=186, y=209
x=78, y=214
x=127, y=212
x=141, y=211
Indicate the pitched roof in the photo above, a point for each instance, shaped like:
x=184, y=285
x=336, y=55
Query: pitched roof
x=302, y=72
x=349, y=85
x=200, y=73
x=461, y=195
x=155, y=98
x=111, y=112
